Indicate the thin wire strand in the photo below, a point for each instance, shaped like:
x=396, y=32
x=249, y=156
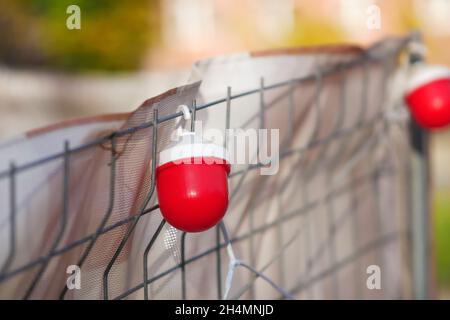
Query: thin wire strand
x=12, y=219
x=109, y=210
x=146, y=252
x=183, y=265
x=308, y=207
x=144, y=205
x=363, y=250
x=279, y=253
x=71, y=246
x=63, y=222
x=340, y=135
x=134, y=219
x=310, y=77
x=218, y=251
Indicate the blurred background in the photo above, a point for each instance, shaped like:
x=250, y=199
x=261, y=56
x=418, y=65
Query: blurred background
x=128, y=51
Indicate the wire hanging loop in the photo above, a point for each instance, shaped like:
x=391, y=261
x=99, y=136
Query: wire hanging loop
x=234, y=263
x=182, y=122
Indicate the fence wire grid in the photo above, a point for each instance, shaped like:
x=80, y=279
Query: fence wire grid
x=340, y=202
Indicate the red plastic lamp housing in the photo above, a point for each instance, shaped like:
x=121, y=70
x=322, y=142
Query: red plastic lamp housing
x=192, y=184
x=428, y=96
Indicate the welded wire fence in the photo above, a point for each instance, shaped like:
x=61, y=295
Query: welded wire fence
x=350, y=182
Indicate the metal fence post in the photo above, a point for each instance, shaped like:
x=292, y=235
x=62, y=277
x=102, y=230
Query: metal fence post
x=420, y=211
x=420, y=201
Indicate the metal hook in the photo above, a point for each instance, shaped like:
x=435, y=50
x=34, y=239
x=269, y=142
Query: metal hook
x=186, y=116
x=416, y=48
x=186, y=112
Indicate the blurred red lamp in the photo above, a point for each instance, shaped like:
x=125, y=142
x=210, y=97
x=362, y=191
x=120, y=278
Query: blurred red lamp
x=428, y=95
x=192, y=184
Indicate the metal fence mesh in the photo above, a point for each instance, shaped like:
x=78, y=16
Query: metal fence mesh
x=338, y=204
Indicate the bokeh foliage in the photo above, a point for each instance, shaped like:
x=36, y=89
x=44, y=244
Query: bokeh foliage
x=441, y=221
x=114, y=35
